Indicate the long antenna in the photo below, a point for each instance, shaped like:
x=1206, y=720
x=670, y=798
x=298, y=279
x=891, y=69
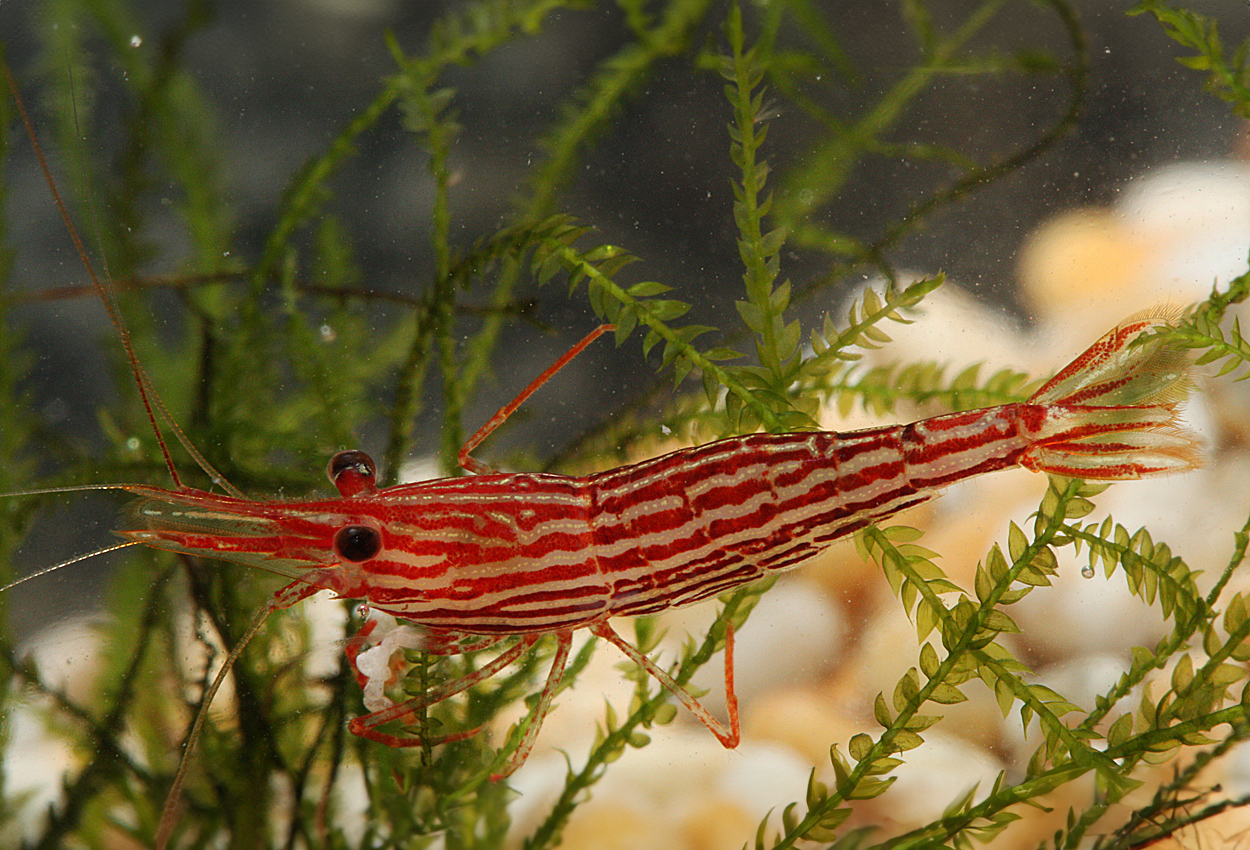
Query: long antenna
x=169, y=812
x=76, y=559
x=151, y=400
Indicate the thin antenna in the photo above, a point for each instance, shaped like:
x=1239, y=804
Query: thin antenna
x=151, y=400
x=71, y=561
x=169, y=812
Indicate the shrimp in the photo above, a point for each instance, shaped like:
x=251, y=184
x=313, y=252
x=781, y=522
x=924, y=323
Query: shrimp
x=527, y=555
x=500, y=560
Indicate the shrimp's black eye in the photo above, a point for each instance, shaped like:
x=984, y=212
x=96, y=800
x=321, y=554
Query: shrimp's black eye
x=357, y=543
x=353, y=472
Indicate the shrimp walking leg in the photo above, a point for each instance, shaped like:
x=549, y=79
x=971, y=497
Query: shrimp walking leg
x=728, y=737
x=472, y=464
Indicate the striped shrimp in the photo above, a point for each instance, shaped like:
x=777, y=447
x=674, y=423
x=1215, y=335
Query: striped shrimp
x=498, y=560
x=524, y=555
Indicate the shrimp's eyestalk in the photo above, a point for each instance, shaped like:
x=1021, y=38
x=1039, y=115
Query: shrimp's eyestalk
x=354, y=473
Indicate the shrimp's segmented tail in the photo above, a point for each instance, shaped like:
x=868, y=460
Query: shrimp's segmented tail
x=1112, y=413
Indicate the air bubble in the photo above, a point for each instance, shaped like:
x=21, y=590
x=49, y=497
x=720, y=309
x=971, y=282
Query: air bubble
x=1087, y=571
x=136, y=41
x=133, y=444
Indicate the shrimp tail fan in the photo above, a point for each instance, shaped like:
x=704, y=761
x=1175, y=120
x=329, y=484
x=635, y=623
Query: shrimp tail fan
x=1113, y=412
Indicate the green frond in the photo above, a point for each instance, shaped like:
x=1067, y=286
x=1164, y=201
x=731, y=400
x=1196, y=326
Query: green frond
x=1228, y=77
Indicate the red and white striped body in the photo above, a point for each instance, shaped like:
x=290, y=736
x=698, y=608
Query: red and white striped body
x=697, y=522
x=525, y=553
